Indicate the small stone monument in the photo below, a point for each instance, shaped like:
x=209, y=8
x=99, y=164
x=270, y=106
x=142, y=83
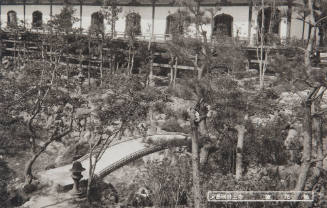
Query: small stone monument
x=77, y=170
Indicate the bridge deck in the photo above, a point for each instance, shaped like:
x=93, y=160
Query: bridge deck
x=120, y=153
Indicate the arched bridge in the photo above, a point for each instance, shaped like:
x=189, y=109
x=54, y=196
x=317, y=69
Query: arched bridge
x=116, y=156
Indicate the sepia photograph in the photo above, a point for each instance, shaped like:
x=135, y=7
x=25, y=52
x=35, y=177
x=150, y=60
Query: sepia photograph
x=163, y=103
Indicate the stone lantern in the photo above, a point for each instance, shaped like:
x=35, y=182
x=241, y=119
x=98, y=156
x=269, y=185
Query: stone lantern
x=77, y=170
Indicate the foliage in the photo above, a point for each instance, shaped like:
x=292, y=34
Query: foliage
x=122, y=103
x=182, y=90
x=170, y=182
x=5, y=174
x=265, y=144
x=231, y=57
x=63, y=22
x=14, y=135
x=111, y=11
x=219, y=182
x=44, y=103
x=289, y=67
x=172, y=125
x=127, y=100
x=227, y=100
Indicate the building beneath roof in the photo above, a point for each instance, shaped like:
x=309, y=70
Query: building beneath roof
x=235, y=18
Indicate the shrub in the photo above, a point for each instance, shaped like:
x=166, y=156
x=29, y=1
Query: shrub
x=159, y=107
x=5, y=173
x=184, y=115
x=173, y=126
x=170, y=182
x=182, y=91
x=265, y=144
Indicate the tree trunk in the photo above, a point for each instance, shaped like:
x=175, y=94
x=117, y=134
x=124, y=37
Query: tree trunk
x=80, y=62
x=113, y=28
x=101, y=63
x=239, y=150
x=150, y=76
x=250, y=21
x=262, y=39
x=28, y=169
x=89, y=181
x=311, y=38
x=196, y=165
x=307, y=148
x=132, y=62
x=175, y=72
x=320, y=151
x=89, y=63
x=307, y=134
x=200, y=71
x=117, y=67
x=303, y=28
x=203, y=128
x=112, y=64
x=205, y=152
x=171, y=70
x=129, y=60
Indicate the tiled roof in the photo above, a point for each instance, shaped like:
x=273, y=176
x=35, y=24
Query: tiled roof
x=137, y=2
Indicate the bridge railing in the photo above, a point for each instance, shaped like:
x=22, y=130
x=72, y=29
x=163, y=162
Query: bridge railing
x=128, y=159
x=136, y=155
x=131, y=139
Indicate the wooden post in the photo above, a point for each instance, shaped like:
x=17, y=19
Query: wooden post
x=101, y=58
x=89, y=62
x=0, y=13
x=80, y=15
x=51, y=9
x=250, y=20
x=24, y=12
x=153, y=16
